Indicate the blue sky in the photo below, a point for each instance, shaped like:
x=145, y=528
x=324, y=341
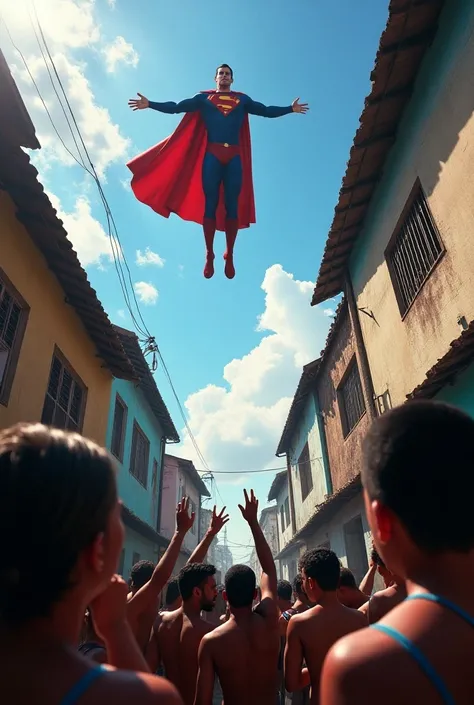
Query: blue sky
x=320, y=51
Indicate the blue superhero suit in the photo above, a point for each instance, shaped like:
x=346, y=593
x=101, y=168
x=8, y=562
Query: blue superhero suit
x=223, y=115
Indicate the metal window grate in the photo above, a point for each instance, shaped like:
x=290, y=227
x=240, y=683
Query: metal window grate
x=351, y=399
x=140, y=456
x=415, y=251
x=118, y=429
x=306, y=477
x=65, y=398
x=10, y=316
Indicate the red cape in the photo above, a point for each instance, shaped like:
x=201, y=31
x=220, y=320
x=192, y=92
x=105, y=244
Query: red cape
x=168, y=178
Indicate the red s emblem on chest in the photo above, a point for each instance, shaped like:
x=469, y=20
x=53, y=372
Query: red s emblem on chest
x=224, y=102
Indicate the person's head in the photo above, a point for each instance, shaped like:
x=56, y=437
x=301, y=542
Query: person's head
x=382, y=569
x=348, y=591
x=298, y=589
x=320, y=569
x=58, y=507
x=413, y=511
x=140, y=574
x=224, y=77
x=240, y=586
x=173, y=595
x=197, y=585
x=284, y=593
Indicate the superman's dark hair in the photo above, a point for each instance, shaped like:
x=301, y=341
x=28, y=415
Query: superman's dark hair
x=225, y=66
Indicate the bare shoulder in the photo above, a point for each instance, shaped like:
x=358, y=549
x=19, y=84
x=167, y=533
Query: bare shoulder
x=357, y=617
x=121, y=686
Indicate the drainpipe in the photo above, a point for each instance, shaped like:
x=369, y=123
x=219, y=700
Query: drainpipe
x=324, y=445
x=291, y=495
x=162, y=472
x=361, y=353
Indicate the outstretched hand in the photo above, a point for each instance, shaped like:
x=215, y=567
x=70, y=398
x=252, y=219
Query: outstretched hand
x=298, y=107
x=218, y=521
x=139, y=103
x=183, y=521
x=249, y=512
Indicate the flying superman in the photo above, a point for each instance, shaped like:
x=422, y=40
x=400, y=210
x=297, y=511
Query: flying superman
x=203, y=171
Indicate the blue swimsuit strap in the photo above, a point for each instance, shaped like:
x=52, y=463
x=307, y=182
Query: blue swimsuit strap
x=83, y=684
x=420, y=659
x=444, y=602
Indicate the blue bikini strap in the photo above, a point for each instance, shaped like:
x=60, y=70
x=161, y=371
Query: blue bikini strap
x=444, y=602
x=83, y=684
x=420, y=659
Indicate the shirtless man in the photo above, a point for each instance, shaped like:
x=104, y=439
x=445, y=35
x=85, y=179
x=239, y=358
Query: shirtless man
x=382, y=602
x=300, y=605
x=179, y=633
x=243, y=652
x=310, y=635
x=422, y=526
x=173, y=596
x=348, y=593
x=142, y=604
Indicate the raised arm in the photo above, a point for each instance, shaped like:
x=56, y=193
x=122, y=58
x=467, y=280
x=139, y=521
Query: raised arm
x=142, y=600
x=189, y=105
x=268, y=584
x=217, y=522
x=274, y=111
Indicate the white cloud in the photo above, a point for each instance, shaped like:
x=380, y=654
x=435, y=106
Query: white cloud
x=146, y=292
x=125, y=184
x=68, y=25
x=149, y=258
x=329, y=312
x=119, y=52
x=87, y=235
x=111, y=4
x=121, y=313
x=238, y=424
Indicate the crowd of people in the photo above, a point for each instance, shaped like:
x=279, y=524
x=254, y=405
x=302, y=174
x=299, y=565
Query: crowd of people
x=75, y=633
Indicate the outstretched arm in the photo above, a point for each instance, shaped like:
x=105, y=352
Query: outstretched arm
x=217, y=522
x=268, y=584
x=273, y=111
x=149, y=593
x=189, y=105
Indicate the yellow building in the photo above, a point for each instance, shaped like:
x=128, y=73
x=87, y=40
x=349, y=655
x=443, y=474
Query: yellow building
x=58, y=349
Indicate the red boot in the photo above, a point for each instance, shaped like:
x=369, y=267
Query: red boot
x=209, y=227
x=231, y=230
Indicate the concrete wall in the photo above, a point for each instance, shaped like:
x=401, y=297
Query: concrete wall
x=307, y=431
x=333, y=532
x=143, y=501
x=283, y=536
x=176, y=484
x=344, y=453
x=51, y=322
x=136, y=544
x=189, y=489
x=435, y=143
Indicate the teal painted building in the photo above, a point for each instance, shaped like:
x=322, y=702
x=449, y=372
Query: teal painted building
x=139, y=427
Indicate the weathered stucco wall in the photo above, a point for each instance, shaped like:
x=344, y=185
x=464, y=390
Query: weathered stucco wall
x=435, y=143
x=344, y=453
x=51, y=322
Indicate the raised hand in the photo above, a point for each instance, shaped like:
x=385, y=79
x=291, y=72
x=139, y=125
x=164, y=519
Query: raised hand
x=218, y=521
x=140, y=103
x=250, y=511
x=298, y=107
x=183, y=521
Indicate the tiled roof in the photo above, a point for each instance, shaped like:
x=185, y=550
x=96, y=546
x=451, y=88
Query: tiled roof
x=187, y=466
x=459, y=356
x=324, y=512
x=19, y=179
x=298, y=404
x=147, y=383
x=279, y=481
x=409, y=31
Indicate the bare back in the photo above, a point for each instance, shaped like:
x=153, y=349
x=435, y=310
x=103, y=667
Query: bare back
x=244, y=653
x=316, y=631
x=383, y=602
x=178, y=639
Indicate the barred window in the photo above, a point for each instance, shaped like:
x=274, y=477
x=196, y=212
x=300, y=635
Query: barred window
x=414, y=251
x=287, y=511
x=306, y=477
x=65, y=399
x=13, y=317
x=140, y=455
x=119, y=428
x=351, y=398
x=282, y=518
